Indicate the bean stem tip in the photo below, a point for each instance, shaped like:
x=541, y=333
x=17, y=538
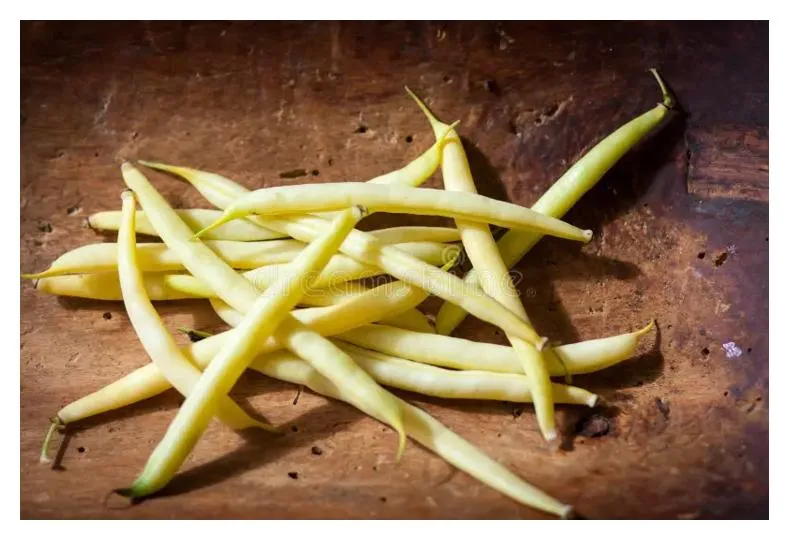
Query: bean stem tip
x=668, y=99
x=221, y=221
x=54, y=423
x=646, y=329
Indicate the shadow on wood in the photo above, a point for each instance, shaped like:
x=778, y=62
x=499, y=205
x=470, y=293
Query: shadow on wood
x=261, y=447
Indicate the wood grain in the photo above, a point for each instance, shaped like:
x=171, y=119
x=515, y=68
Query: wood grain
x=729, y=162
x=680, y=234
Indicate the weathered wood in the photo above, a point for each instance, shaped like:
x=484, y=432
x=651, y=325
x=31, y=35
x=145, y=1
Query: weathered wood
x=681, y=235
x=729, y=161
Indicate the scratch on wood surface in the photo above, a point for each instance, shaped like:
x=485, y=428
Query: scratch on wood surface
x=25, y=198
x=101, y=114
x=441, y=33
x=151, y=38
x=686, y=281
x=505, y=40
x=280, y=112
x=336, y=48
x=474, y=114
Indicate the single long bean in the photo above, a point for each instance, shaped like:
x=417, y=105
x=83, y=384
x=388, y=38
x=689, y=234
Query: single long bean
x=165, y=287
x=445, y=383
x=457, y=353
x=392, y=198
x=107, y=286
x=157, y=257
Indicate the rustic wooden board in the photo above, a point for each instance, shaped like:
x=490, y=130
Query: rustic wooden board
x=681, y=234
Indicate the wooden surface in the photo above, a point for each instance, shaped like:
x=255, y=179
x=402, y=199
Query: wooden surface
x=680, y=233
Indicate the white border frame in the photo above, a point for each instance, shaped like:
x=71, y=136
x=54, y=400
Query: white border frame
x=406, y=9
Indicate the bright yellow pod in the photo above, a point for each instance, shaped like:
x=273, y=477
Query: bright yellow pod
x=457, y=353
x=157, y=257
x=106, y=286
x=306, y=198
x=450, y=384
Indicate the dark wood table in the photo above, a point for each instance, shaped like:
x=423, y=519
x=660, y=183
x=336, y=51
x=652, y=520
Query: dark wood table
x=680, y=227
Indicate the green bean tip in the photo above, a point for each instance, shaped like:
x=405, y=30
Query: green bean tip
x=172, y=169
x=568, y=512
x=646, y=329
x=401, y=444
x=136, y=492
